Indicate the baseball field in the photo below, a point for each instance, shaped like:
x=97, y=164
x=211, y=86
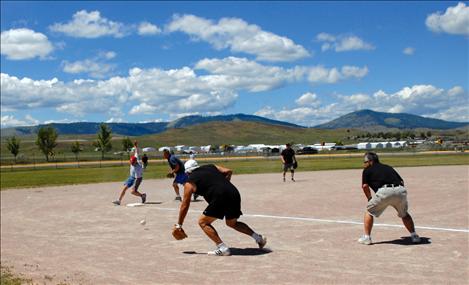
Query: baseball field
x=75, y=235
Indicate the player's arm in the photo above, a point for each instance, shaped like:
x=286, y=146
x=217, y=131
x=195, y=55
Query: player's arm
x=189, y=188
x=225, y=171
x=366, y=191
x=176, y=168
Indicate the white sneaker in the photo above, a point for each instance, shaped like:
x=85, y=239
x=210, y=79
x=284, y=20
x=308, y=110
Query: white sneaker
x=223, y=251
x=416, y=239
x=365, y=240
x=262, y=242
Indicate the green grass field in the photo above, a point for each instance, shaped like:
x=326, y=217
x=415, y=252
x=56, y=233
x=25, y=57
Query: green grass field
x=19, y=178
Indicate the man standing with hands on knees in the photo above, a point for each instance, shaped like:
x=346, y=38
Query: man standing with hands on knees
x=224, y=201
x=390, y=191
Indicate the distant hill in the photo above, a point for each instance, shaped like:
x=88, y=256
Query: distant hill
x=139, y=129
x=367, y=119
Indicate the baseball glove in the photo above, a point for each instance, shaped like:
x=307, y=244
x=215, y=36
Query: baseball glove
x=170, y=175
x=178, y=233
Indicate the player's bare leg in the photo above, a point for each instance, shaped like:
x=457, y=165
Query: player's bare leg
x=205, y=222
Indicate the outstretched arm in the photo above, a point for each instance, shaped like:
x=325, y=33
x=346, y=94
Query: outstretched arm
x=189, y=188
x=225, y=171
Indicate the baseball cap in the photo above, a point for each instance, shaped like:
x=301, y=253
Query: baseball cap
x=191, y=165
x=133, y=159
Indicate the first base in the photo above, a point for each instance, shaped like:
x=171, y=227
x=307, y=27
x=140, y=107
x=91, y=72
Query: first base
x=135, y=204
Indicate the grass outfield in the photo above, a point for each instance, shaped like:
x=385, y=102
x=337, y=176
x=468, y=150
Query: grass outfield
x=19, y=178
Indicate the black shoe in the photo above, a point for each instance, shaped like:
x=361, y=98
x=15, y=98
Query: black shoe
x=144, y=198
x=117, y=202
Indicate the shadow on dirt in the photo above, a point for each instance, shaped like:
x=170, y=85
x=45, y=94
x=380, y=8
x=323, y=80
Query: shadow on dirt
x=239, y=251
x=405, y=241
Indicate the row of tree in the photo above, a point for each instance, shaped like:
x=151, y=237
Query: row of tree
x=397, y=135
x=46, y=141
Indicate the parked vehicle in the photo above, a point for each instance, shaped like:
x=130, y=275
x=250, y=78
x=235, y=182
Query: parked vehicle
x=307, y=150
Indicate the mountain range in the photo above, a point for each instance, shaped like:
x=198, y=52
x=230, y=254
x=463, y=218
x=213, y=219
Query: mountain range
x=367, y=120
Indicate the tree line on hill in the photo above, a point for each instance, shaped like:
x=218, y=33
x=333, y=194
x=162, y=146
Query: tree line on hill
x=46, y=141
x=397, y=135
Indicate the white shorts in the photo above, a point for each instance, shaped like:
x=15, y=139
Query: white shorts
x=395, y=196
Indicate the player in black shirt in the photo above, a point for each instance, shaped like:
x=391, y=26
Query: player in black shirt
x=224, y=201
x=288, y=160
x=389, y=191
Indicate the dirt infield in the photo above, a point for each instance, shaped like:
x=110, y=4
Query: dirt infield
x=74, y=235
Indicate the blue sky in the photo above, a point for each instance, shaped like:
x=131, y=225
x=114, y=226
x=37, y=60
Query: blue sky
x=301, y=62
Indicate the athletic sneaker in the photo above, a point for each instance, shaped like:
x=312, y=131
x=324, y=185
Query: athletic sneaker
x=117, y=202
x=144, y=198
x=262, y=242
x=223, y=251
x=416, y=239
x=178, y=198
x=293, y=179
x=365, y=240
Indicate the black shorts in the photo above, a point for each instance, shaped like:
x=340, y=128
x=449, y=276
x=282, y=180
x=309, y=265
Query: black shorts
x=226, y=205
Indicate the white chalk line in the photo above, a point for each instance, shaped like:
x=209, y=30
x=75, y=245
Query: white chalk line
x=332, y=221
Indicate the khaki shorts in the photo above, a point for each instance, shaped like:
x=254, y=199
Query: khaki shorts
x=389, y=196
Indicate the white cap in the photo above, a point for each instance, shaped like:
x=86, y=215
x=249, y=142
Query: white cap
x=190, y=165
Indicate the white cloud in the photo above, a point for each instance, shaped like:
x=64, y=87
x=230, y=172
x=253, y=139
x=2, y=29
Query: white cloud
x=243, y=74
x=342, y=43
x=308, y=99
x=20, y=44
x=423, y=100
x=454, y=21
x=320, y=74
x=146, y=28
x=143, y=108
x=8, y=121
x=409, y=51
x=90, y=25
x=149, y=91
x=239, y=36
x=96, y=67
x=93, y=68
x=115, y=120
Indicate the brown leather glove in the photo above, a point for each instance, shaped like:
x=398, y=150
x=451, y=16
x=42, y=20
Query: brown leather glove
x=178, y=233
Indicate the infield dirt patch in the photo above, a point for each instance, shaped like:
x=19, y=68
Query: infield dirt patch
x=75, y=235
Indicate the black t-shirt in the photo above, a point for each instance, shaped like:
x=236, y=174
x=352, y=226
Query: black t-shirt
x=288, y=154
x=211, y=183
x=379, y=174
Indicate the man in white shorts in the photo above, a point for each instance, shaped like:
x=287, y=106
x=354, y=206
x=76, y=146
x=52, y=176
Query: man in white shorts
x=390, y=191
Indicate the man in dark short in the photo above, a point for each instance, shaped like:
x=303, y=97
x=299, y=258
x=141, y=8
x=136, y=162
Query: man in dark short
x=389, y=191
x=177, y=171
x=224, y=201
x=288, y=160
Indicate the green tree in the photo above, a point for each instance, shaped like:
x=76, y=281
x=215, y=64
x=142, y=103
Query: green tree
x=103, y=143
x=76, y=149
x=127, y=144
x=429, y=134
x=46, y=137
x=13, y=145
